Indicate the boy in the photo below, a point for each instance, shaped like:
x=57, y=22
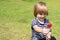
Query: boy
x=39, y=28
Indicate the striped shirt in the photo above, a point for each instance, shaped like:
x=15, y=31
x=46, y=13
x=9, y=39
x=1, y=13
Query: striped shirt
x=39, y=24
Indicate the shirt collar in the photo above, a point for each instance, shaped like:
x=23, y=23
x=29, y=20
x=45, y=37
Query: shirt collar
x=40, y=21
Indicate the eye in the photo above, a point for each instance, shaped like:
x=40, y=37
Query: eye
x=40, y=13
x=43, y=14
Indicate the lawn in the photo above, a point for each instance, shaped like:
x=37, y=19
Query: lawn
x=16, y=17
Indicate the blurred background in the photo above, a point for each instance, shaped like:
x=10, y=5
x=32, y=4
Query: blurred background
x=16, y=17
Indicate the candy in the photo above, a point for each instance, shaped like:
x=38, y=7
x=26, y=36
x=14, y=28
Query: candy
x=49, y=25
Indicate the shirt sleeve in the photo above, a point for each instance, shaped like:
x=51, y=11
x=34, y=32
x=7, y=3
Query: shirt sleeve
x=34, y=22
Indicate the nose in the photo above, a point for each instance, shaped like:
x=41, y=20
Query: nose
x=42, y=15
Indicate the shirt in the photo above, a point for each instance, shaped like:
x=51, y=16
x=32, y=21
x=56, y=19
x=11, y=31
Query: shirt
x=35, y=21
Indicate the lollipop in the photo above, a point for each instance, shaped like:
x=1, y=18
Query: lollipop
x=49, y=25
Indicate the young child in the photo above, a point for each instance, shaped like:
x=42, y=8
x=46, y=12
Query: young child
x=39, y=23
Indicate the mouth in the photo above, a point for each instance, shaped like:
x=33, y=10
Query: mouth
x=42, y=18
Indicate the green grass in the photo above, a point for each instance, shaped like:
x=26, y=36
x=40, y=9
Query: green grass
x=16, y=17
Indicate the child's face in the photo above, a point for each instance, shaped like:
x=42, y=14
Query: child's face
x=41, y=16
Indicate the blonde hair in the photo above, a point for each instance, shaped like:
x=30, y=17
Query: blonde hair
x=40, y=7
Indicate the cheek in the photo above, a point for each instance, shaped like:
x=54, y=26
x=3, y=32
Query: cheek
x=38, y=15
x=41, y=16
x=45, y=15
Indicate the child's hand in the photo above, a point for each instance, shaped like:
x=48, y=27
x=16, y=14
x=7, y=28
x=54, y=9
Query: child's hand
x=48, y=36
x=45, y=31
